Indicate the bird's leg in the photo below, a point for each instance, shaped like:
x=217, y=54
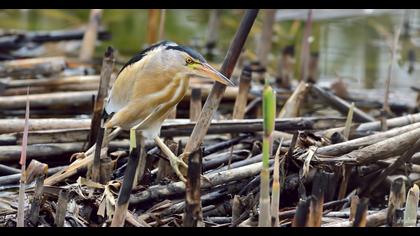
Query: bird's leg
x=173, y=160
x=136, y=142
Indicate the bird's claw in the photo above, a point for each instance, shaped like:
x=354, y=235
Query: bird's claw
x=175, y=162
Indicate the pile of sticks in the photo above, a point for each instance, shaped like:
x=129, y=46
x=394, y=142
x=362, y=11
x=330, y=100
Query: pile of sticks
x=346, y=169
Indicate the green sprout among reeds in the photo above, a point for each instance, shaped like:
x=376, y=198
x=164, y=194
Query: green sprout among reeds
x=269, y=114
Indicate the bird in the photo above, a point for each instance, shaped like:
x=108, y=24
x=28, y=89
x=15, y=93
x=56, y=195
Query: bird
x=150, y=85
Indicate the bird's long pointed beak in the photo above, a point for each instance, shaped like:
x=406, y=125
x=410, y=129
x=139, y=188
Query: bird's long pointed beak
x=208, y=71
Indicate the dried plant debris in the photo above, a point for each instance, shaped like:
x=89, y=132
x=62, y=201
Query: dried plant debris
x=259, y=154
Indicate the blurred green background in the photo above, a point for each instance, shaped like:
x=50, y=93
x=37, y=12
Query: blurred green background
x=354, y=47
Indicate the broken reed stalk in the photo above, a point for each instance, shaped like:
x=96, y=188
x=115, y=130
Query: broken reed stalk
x=22, y=162
x=89, y=38
x=242, y=97
x=269, y=114
x=162, y=24
x=344, y=181
x=387, y=136
x=394, y=46
x=63, y=199
x=410, y=213
x=396, y=200
x=152, y=26
x=354, y=202
x=136, y=143
x=266, y=36
x=195, y=104
x=106, y=71
x=292, y=106
x=7, y=170
x=236, y=208
x=164, y=168
x=372, y=220
x=361, y=213
x=346, y=132
x=340, y=104
x=385, y=149
x=275, y=189
x=302, y=213
x=405, y=157
x=164, y=191
x=96, y=167
x=97, y=130
x=305, y=52
x=216, y=94
x=36, y=200
x=193, y=214
x=317, y=199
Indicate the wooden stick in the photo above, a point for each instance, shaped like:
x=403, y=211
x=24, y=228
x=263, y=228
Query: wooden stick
x=266, y=37
x=79, y=100
x=195, y=104
x=164, y=168
x=317, y=199
x=60, y=214
x=152, y=26
x=7, y=170
x=13, y=179
x=96, y=167
x=305, y=52
x=236, y=208
x=32, y=66
x=193, y=216
x=341, y=105
x=394, y=46
x=388, y=170
x=16, y=125
x=353, y=206
x=286, y=67
x=396, y=200
x=159, y=191
x=344, y=181
x=212, y=34
x=218, y=89
x=410, y=213
x=170, y=128
x=372, y=220
x=36, y=200
x=381, y=150
x=127, y=185
x=302, y=213
x=361, y=213
x=345, y=147
x=162, y=24
x=106, y=71
x=89, y=38
x=242, y=98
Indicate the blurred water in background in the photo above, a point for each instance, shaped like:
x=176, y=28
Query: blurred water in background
x=350, y=43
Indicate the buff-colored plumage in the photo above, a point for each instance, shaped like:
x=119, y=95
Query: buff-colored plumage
x=145, y=94
x=152, y=83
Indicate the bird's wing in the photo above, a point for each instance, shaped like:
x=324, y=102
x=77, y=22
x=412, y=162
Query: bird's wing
x=136, y=81
x=150, y=106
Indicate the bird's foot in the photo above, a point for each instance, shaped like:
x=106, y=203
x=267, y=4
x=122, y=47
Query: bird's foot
x=175, y=163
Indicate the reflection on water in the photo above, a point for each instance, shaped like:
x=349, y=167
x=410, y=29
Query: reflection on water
x=353, y=47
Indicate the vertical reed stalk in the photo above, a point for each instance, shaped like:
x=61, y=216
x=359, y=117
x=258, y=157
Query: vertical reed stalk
x=410, y=214
x=22, y=162
x=269, y=113
x=275, y=189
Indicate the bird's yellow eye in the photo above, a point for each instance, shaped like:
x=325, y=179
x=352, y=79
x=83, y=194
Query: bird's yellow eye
x=189, y=61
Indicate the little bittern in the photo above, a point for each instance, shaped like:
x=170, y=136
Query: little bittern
x=150, y=85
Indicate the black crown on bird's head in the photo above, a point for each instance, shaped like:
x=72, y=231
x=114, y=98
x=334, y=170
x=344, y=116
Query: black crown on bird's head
x=168, y=45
